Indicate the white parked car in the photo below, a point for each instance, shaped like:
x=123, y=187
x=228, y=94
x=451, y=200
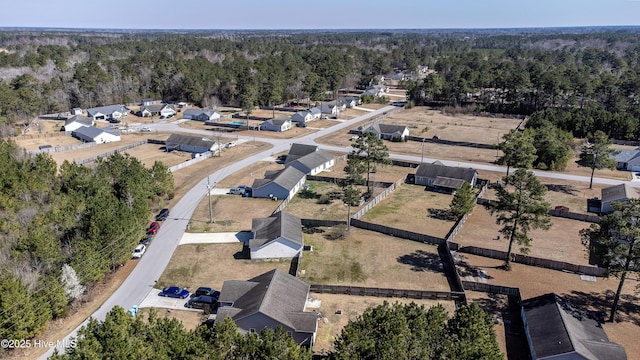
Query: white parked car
x=230, y=144
x=145, y=129
x=138, y=251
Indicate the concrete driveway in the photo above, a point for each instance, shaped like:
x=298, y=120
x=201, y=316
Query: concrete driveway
x=215, y=238
x=153, y=300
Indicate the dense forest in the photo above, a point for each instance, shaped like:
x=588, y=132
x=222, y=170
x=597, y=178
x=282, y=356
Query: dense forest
x=594, y=75
x=62, y=230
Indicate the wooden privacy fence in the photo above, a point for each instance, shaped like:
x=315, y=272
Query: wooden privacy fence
x=557, y=213
x=376, y=199
x=530, y=260
x=493, y=289
x=318, y=222
x=404, y=234
x=385, y=292
x=109, y=153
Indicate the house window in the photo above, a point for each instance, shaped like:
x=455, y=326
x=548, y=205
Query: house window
x=290, y=333
x=252, y=330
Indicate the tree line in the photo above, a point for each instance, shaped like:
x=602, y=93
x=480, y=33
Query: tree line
x=62, y=230
x=382, y=332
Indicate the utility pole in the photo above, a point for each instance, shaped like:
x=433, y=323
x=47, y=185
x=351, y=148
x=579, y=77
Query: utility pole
x=422, y=156
x=209, y=187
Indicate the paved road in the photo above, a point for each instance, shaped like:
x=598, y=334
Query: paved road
x=142, y=279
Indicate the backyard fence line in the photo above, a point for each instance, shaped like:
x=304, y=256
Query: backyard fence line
x=555, y=213
x=385, y=292
x=109, y=153
x=203, y=156
x=377, y=199
x=319, y=222
x=530, y=260
x=62, y=148
x=451, y=142
x=492, y=289
x=399, y=233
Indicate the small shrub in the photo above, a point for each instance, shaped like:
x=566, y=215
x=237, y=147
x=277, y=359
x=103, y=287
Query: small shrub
x=324, y=199
x=336, y=233
x=426, y=129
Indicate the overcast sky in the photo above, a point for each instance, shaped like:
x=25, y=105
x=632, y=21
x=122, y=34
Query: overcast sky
x=325, y=14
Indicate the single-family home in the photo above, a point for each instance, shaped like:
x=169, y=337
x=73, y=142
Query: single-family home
x=200, y=115
x=555, y=329
x=389, y=132
x=277, y=236
x=617, y=193
x=297, y=151
x=279, y=184
x=312, y=163
x=302, y=117
x=376, y=91
x=351, y=101
x=190, y=143
x=444, y=178
x=147, y=102
x=272, y=299
x=76, y=111
x=94, y=134
x=75, y=122
x=157, y=109
x=108, y=112
x=279, y=125
x=332, y=107
x=628, y=160
x=316, y=113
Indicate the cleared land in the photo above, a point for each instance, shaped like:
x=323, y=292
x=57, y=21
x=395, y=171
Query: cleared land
x=192, y=266
x=150, y=153
x=370, y=259
x=230, y=213
x=306, y=203
x=331, y=324
x=561, y=242
x=410, y=207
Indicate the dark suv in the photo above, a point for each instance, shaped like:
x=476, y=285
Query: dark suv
x=163, y=215
x=206, y=303
x=206, y=291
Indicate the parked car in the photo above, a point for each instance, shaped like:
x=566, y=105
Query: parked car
x=281, y=158
x=162, y=215
x=207, y=303
x=169, y=116
x=206, y=291
x=174, y=292
x=153, y=227
x=236, y=191
x=146, y=240
x=138, y=251
x=230, y=144
x=145, y=129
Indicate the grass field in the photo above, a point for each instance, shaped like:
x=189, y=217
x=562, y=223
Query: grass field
x=230, y=213
x=305, y=204
x=366, y=258
x=412, y=208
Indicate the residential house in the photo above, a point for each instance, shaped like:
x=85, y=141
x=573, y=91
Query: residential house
x=200, y=115
x=269, y=300
x=316, y=113
x=94, y=134
x=278, y=125
x=628, y=160
x=617, y=193
x=332, y=107
x=557, y=330
x=389, y=132
x=351, y=101
x=76, y=111
x=189, y=143
x=108, y=112
x=278, y=236
x=302, y=117
x=376, y=91
x=312, y=163
x=297, y=151
x=147, y=102
x=444, y=178
x=75, y=122
x=157, y=110
x=279, y=184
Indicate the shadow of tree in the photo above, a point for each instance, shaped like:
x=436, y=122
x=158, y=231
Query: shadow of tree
x=308, y=194
x=421, y=260
x=565, y=189
x=597, y=305
x=464, y=269
x=441, y=214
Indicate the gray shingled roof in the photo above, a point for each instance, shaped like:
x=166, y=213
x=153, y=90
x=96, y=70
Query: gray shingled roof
x=312, y=160
x=620, y=191
x=278, y=121
x=107, y=109
x=282, y=224
x=84, y=120
x=287, y=178
x=275, y=294
x=156, y=107
x=626, y=155
x=436, y=170
x=556, y=327
x=449, y=183
x=88, y=131
x=315, y=111
x=199, y=141
x=302, y=149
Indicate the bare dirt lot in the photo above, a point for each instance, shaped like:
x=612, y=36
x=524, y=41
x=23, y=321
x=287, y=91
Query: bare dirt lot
x=150, y=153
x=561, y=242
x=230, y=213
x=351, y=307
x=592, y=296
x=370, y=259
x=192, y=266
x=410, y=207
x=189, y=319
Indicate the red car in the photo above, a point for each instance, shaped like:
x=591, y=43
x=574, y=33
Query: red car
x=153, y=227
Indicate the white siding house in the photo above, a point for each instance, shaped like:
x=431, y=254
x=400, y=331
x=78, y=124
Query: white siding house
x=94, y=134
x=280, y=185
x=192, y=144
x=278, y=236
x=200, y=115
x=313, y=163
x=108, y=112
x=278, y=125
x=76, y=122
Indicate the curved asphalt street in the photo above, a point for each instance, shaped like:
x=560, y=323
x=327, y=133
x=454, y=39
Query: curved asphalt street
x=142, y=279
